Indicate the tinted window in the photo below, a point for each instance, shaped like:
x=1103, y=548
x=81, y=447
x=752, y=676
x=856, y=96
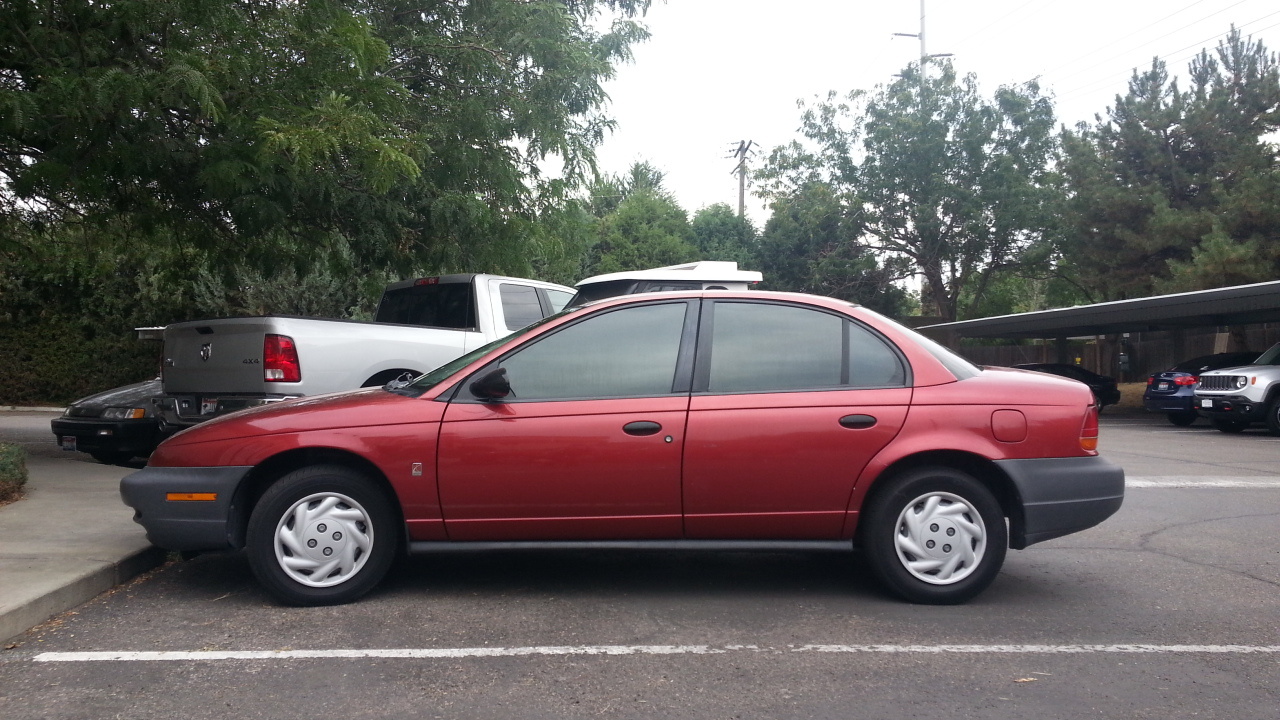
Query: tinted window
x=765, y=348
x=624, y=353
x=872, y=363
x=559, y=299
x=519, y=305
x=446, y=305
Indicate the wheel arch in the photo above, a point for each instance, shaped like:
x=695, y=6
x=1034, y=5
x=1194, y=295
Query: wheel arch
x=982, y=469
x=266, y=473
x=386, y=376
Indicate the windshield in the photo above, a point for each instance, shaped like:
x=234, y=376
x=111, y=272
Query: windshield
x=1270, y=357
x=425, y=382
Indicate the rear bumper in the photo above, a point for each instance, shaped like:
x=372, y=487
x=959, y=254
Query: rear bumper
x=177, y=524
x=1061, y=496
x=178, y=412
x=139, y=437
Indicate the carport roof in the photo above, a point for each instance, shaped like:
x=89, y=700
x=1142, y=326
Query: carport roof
x=1237, y=305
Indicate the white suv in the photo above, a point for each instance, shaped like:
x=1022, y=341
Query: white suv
x=1235, y=398
x=701, y=275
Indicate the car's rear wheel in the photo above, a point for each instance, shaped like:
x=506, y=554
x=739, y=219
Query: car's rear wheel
x=1183, y=419
x=321, y=535
x=934, y=535
x=1230, y=426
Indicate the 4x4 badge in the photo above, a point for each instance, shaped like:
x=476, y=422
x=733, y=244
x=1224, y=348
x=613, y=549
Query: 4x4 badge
x=206, y=350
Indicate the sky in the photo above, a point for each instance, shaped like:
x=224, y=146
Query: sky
x=717, y=72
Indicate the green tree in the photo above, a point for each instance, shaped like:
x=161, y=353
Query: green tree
x=1179, y=190
x=720, y=234
x=647, y=230
x=258, y=129
x=810, y=245
x=960, y=186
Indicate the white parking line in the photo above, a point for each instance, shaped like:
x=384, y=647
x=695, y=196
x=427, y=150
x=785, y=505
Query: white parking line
x=1200, y=481
x=562, y=650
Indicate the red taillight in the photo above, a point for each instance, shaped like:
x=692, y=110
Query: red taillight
x=1186, y=380
x=1151, y=379
x=280, y=359
x=1089, y=430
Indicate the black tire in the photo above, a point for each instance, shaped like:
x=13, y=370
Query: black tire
x=1183, y=419
x=1230, y=426
x=965, y=509
x=351, y=536
x=1273, y=416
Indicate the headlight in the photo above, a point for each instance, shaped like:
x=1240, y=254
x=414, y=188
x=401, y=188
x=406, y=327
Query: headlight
x=120, y=413
x=1241, y=381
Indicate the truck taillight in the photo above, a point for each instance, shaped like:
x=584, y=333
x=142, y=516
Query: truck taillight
x=1089, y=430
x=280, y=359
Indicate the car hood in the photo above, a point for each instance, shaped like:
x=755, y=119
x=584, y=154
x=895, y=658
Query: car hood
x=351, y=409
x=137, y=394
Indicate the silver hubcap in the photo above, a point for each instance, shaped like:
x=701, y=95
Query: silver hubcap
x=940, y=538
x=323, y=540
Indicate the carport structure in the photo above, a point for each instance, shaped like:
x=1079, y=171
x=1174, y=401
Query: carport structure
x=1203, y=309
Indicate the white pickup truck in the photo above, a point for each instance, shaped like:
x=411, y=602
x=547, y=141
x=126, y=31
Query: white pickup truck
x=211, y=367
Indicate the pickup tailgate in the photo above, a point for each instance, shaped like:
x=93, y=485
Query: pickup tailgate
x=215, y=356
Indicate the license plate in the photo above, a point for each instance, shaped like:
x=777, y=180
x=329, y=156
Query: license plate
x=68, y=442
x=1207, y=403
x=208, y=406
x=1164, y=386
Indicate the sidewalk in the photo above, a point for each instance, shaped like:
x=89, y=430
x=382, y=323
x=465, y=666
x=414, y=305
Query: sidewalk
x=69, y=540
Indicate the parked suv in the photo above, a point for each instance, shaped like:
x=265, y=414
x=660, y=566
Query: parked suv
x=1173, y=391
x=1235, y=398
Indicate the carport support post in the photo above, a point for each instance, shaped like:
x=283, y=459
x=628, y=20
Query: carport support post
x=1063, y=351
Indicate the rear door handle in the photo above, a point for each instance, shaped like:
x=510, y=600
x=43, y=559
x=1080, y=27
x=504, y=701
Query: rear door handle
x=857, y=422
x=642, y=428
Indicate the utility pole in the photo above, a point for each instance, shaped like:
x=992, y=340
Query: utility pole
x=924, y=54
x=741, y=153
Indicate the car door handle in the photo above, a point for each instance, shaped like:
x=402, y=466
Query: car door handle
x=642, y=428
x=857, y=422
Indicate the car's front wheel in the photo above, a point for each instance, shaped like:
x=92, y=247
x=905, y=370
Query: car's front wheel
x=1273, y=416
x=935, y=535
x=321, y=535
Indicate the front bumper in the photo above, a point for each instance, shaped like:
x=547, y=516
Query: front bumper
x=1061, y=496
x=1231, y=407
x=184, y=524
x=138, y=437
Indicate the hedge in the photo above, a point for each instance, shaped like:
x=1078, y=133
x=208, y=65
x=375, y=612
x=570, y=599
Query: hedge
x=13, y=472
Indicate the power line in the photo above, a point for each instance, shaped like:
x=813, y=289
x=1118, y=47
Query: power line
x=1149, y=42
x=1169, y=58
x=1073, y=61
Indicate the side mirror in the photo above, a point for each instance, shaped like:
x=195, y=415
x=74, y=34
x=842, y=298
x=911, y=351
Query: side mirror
x=492, y=386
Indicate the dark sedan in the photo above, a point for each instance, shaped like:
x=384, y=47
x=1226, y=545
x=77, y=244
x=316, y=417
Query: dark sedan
x=1105, y=390
x=1173, y=391
x=113, y=426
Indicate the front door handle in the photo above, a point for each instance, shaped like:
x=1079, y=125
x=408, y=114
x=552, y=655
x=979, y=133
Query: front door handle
x=642, y=428
x=857, y=422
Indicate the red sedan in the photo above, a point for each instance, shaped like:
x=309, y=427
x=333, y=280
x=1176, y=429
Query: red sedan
x=699, y=420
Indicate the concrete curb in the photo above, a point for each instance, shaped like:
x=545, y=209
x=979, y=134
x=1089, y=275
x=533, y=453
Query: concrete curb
x=76, y=588
x=24, y=408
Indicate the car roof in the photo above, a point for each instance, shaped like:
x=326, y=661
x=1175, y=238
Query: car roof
x=701, y=271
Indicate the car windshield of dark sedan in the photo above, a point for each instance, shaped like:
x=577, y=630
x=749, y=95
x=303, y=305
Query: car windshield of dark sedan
x=1270, y=357
x=425, y=382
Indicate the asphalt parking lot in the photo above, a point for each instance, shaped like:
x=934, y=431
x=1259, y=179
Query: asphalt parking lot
x=1170, y=609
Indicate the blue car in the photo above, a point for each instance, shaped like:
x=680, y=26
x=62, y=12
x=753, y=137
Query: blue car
x=1173, y=391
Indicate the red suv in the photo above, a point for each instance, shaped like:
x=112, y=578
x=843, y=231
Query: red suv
x=698, y=420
